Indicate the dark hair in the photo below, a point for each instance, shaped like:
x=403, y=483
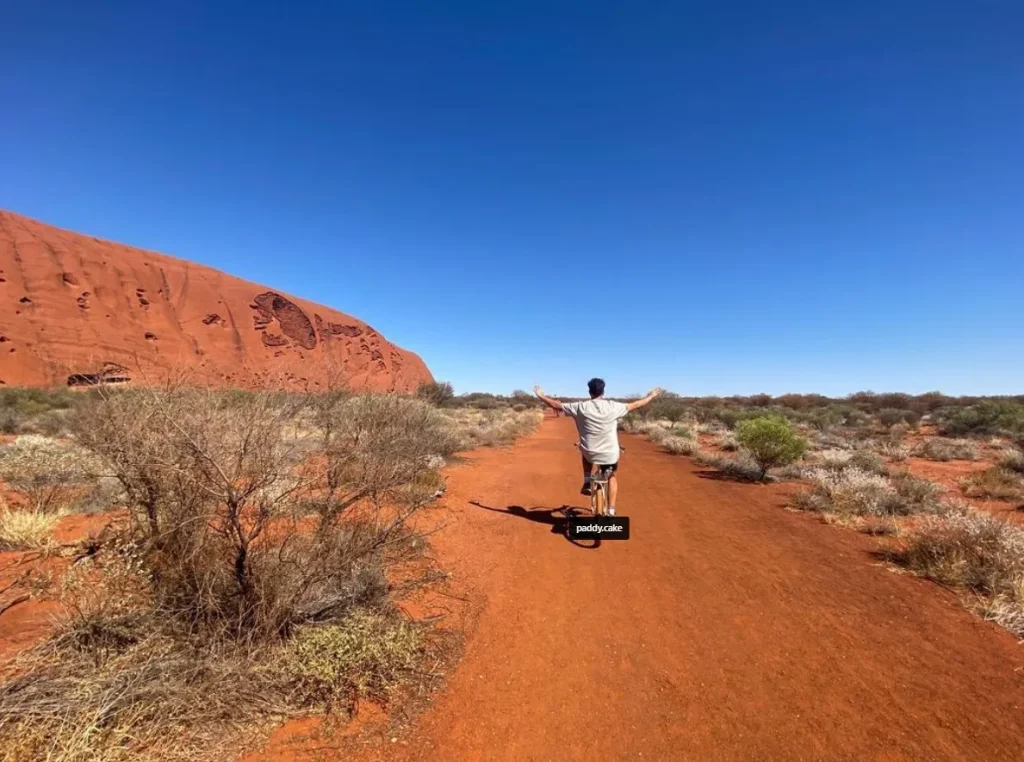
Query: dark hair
x=596, y=387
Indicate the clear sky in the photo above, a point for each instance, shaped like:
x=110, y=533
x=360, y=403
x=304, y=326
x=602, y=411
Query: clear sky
x=715, y=197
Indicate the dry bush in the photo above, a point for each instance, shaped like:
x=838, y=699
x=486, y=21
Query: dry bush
x=894, y=451
x=742, y=467
x=492, y=427
x=1012, y=459
x=727, y=442
x=943, y=449
x=26, y=529
x=252, y=575
x=995, y=483
x=247, y=503
x=49, y=473
x=974, y=550
x=854, y=491
x=679, y=445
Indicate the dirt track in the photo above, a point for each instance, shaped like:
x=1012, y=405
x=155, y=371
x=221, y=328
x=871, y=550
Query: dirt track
x=726, y=629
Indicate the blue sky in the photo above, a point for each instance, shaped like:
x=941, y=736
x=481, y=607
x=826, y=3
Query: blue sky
x=715, y=197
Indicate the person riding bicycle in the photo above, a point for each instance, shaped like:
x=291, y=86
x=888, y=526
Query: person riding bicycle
x=597, y=421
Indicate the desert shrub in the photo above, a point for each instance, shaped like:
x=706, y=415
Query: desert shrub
x=679, y=445
x=742, y=467
x=943, y=449
x=853, y=491
x=849, y=491
x=914, y=495
x=868, y=461
x=892, y=416
x=47, y=472
x=894, y=451
x=438, y=393
x=771, y=442
x=666, y=406
x=968, y=549
x=728, y=442
x=1012, y=460
x=990, y=417
x=246, y=533
x=365, y=655
x=26, y=529
x=995, y=483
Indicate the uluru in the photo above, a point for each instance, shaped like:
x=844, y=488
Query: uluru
x=78, y=310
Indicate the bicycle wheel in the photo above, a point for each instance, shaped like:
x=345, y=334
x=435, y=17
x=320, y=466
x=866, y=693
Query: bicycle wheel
x=598, y=499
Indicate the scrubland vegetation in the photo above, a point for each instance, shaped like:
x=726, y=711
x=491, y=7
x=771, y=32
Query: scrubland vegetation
x=851, y=458
x=249, y=572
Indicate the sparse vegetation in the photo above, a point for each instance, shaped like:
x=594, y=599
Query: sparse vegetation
x=250, y=579
x=491, y=427
x=995, y=483
x=943, y=449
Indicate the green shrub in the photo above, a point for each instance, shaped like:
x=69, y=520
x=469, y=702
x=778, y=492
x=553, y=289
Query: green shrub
x=991, y=418
x=771, y=441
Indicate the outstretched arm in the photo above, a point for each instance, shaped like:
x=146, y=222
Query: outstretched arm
x=549, y=401
x=636, y=404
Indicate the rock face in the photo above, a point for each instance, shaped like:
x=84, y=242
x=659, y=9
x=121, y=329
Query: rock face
x=77, y=310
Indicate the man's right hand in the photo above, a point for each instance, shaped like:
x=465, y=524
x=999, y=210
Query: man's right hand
x=655, y=392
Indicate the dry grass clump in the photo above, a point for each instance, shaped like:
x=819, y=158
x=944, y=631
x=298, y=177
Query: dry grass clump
x=1012, y=460
x=854, y=491
x=742, y=467
x=261, y=530
x=996, y=483
x=26, y=529
x=475, y=427
x=727, y=442
x=943, y=449
x=679, y=445
x=49, y=473
x=976, y=551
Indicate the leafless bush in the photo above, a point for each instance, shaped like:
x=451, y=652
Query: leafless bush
x=262, y=511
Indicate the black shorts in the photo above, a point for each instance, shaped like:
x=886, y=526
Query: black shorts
x=609, y=468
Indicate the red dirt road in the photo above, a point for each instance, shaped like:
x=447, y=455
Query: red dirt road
x=726, y=629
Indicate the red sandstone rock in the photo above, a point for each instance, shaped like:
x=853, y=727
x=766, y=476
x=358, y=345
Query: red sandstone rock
x=74, y=308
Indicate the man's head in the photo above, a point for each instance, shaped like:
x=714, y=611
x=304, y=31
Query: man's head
x=596, y=387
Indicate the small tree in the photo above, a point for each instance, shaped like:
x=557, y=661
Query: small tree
x=438, y=393
x=771, y=441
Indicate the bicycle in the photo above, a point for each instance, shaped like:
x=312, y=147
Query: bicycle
x=598, y=490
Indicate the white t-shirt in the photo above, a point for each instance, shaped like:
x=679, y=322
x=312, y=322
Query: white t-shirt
x=597, y=422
